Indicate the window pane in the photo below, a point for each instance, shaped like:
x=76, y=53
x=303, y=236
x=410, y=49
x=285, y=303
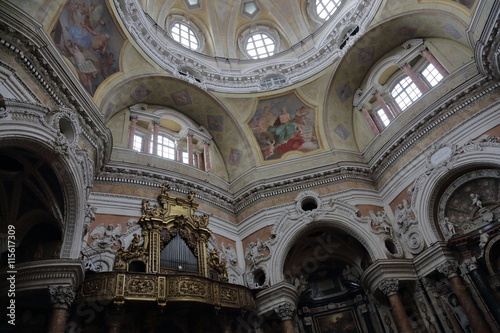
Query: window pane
x=259, y=46
x=326, y=8
x=383, y=117
x=432, y=75
x=182, y=34
x=137, y=145
x=405, y=92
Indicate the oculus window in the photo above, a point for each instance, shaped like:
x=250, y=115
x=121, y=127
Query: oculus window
x=184, y=35
x=260, y=45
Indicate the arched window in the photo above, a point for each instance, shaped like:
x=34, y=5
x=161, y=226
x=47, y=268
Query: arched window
x=166, y=147
x=260, y=45
x=184, y=35
x=326, y=8
x=405, y=92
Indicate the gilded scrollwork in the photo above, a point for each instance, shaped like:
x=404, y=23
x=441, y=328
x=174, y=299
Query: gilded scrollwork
x=140, y=286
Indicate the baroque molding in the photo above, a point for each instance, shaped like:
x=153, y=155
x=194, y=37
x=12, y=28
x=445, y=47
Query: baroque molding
x=448, y=268
x=245, y=75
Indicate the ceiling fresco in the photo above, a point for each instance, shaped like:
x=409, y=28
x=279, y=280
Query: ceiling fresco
x=284, y=124
x=86, y=34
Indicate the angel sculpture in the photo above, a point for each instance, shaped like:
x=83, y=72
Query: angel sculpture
x=380, y=223
x=403, y=218
x=253, y=251
x=105, y=237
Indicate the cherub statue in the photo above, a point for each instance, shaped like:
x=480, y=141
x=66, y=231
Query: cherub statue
x=105, y=237
x=380, y=223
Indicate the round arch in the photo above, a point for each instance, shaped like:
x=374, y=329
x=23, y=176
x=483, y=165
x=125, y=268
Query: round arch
x=428, y=187
x=338, y=216
x=46, y=143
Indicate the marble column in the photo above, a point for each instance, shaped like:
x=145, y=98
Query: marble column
x=483, y=287
x=422, y=86
x=285, y=312
x=430, y=58
x=384, y=106
x=190, y=149
x=131, y=131
x=477, y=322
x=390, y=288
x=206, y=155
x=114, y=322
x=179, y=152
x=147, y=144
x=369, y=120
x=199, y=157
x=61, y=298
x=156, y=127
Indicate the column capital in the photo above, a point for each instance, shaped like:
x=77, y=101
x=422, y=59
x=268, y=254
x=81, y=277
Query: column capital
x=389, y=286
x=470, y=264
x=285, y=310
x=448, y=268
x=134, y=116
x=61, y=297
x=156, y=122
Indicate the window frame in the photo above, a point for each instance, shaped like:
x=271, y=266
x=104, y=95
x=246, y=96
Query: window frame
x=183, y=20
x=434, y=77
x=254, y=30
x=173, y=147
x=313, y=12
x=404, y=89
x=143, y=140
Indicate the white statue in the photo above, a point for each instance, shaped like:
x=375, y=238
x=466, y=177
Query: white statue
x=449, y=226
x=105, y=237
x=380, y=223
x=483, y=239
x=476, y=201
x=402, y=213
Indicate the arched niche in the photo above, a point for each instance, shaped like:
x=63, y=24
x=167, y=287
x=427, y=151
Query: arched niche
x=470, y=204
x=325, y=265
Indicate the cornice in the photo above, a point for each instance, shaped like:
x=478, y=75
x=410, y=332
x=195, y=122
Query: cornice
x=244, y=75
x=383, y=269
x=42, y=273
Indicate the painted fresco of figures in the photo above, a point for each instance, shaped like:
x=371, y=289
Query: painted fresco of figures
x=284, y=124
x=87, y=35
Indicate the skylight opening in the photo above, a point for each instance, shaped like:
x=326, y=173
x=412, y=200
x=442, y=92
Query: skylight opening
x=326, y=8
